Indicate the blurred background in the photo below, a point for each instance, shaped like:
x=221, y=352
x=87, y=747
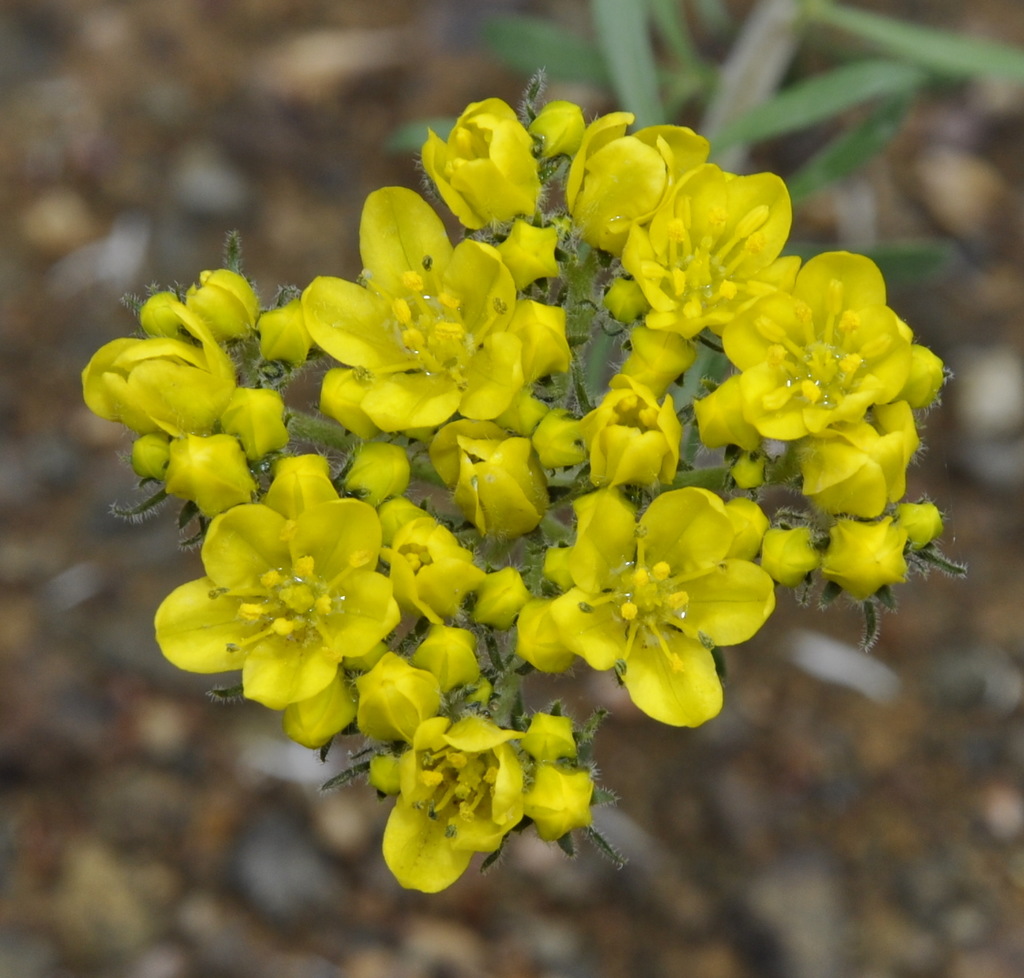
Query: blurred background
x=845, y=817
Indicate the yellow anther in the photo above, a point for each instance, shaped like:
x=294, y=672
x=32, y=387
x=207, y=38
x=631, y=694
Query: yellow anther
x=271, y=579
x=693, y=308
x=431, y=778
x=661, y=570
x=401, y=311
x=628, y=610
x=250, y=611
x=491, y=775
x=727, y=290
x=756, y=243
x=678, y=600
x=282, y=626
x=648, y=417
x=849, y=321
x=448, y=300
x=412, y=339
x=304, y=566
x=413, y=281
x=810, y=390
x=675, y=662
x=445, y=330
x=323, y=605
x=299, y=598
x=458, y=761
x=675, y=229
x=776, y=355
x=640, y=577
x=850, y=364
x=717, y=216
x=804, y=313
x=414, y=561
x=287, y=531
x=360, y=558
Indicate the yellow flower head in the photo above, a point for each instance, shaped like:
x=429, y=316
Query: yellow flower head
x=498, y=482
x=450, y=655
x=822, y=355
x=710, y=249
x=313, y=722
x=430, y=571
x=862, y=557
x=789, y=555
x=461, y=792
x=209, y=470
x=618, y=180
x=255, y=416
x=649, y=593
x=283, y=334
x=657, y=357
x=395, y=698
x=429, y=331
x=631, y=438
x=721, y=420
x=558, y=801
x=284, y=600
x=379, y=471
x=559, y=127
x=225, y=301
x=300, y=481
x=485, y=171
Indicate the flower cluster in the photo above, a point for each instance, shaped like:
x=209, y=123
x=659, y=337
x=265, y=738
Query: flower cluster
x=504, y=475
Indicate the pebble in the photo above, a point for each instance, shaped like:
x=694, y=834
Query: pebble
x=206, y=184
x=963, y=192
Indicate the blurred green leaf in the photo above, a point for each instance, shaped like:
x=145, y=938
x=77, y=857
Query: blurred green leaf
x=410, y=137
x=901, y=262
x=529, y=43
x=941, y=51
x=851, y=150
x=624, y=38
x=821, y=97
x=672, y=29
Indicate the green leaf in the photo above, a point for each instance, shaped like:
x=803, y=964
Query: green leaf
x=851, y=150
x=821, y=97
x=527, y=44
x=409, y=138
x=624, y=38
x=941, y=51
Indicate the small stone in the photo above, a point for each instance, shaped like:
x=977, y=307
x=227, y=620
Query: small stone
x=207, y=184
x=963, y=192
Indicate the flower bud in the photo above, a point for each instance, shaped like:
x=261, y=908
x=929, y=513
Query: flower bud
x=395, y=698
x=558, y=801
x=341, y=395
x=541, y=329
x=150, y=455
x=210, y=471
x=384, y=774
x=523, y=414
x=748, y=471
x=549, y=738
x=558, y=440
x=313, y=722
x=657, y=358
x=255, y=416
x=366, y=661
x=559, y=126
x=450, y=654
x=225, y=301
x=749, y=522
x=283, y=334
x=862, y=557
x=529, y=253
x=395, y=513
x=158, y=316
x=379, y=471
x=499, y=598
x=538, y=640
x=922, y=521
x=300, y=481
x=626, y=301
x=720, y=418
x=556, y=566
x=789, y=555
x=926, y=377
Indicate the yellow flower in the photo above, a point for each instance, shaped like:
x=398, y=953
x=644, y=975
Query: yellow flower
x=485, y=171
x=749, y=525
x=430, y=329
x=341, y=397
x=450, y=655
x=395, y=698
x=657, y=358
x=209, y=470
x=461, y=792
x=284, y=600
x=549, y=738
x=789, y=555
x=558, y=440
x=256, y=418
x=824, y=354
x=862, y=557
x=625, y=300
x=498, y=482
x=225, y=301
x=283, y=334
x=379, y=471
x=529, y=253
x=300, y=481
x=558, y=801
x=541, y=330
x=313, y=722
x=858, y=469
x=158, y=315
x=559, y=126
x=748, y=470
x=710, y=249
x=430, y=571
x=721, y=420
x=618, y=180
x=161, y=384
x=499, y=598
x=631, y=438
x=922, y=521
x=538, y=640
x=150, y=455
x=650, y=594
x=927, y=374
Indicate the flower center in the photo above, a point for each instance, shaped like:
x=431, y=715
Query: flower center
x=461, y=782
x=649, y=597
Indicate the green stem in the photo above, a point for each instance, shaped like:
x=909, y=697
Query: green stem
x=320, y=432
x=713, y=478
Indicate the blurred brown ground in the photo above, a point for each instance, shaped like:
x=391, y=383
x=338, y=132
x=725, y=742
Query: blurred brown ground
x=811, y=831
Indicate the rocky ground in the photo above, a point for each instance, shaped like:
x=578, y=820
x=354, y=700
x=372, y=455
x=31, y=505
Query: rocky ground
x=844, y=817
